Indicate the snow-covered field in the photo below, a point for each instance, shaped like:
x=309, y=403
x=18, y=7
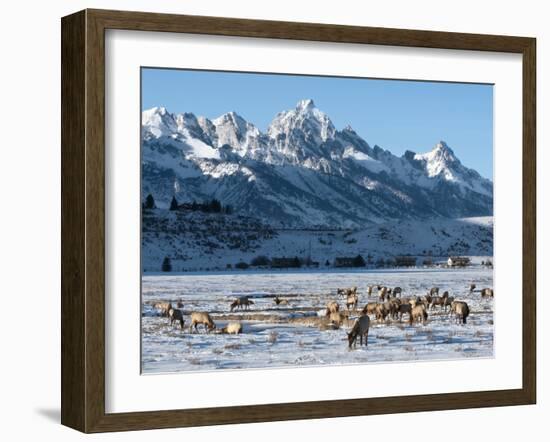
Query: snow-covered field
x=285, y=336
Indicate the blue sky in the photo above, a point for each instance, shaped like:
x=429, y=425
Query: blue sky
x=396, y=115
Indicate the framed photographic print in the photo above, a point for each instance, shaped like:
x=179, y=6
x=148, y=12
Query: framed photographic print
x=261, y=220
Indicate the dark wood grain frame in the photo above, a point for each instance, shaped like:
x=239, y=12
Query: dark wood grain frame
x=83, y=220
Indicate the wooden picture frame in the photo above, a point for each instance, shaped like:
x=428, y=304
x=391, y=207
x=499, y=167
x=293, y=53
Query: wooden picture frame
x=83, y=220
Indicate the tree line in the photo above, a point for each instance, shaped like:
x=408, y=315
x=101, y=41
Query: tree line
x=211, y=206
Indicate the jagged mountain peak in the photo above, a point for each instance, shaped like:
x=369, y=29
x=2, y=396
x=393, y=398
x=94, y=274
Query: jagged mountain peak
x=304, y=126
x=230, y=117
x=443, y=150
x=157, y=110
x=305, y=105
x=158, y=122
x=441, y=159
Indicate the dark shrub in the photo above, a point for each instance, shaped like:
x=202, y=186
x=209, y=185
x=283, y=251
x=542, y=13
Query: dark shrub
x=260, y=261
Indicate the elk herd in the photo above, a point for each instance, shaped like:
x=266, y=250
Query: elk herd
x=389, y=305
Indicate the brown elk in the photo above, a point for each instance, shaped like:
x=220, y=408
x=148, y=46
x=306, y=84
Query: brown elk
x=382, y=294
x=447, y=302
x=428, y=299
x=392, y=306
x=487, y=293
x=369, y=309
x=336, y=319
x=472, y=287
x=404, y=308
x=243, y=303
x=351, y=301
x=440, y=301
x=163, y=307
x=201, y=318
x=360, y=328
x=461, y=311
x=175, y=315
x=418, y=314
x=332, y=307
x=381, y=312
x=280, y=301
x=344, y=293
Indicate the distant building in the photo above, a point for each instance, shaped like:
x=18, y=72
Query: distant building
x=405, y=261
x=458, y=261
x=344, y=262
x=281, y=263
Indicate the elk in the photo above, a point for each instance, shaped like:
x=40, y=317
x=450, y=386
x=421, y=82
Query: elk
x=369, y=309
x=232, y=328
x=242, y=302
x=447, y=302
x=381, y=312
x=175, y=315
x=442, y=301
x=487, y=293
x=163, y=307
x=392, y=306
x=404, y=308
x=344, y=293
x=418, y=314
x=382, y=293
x=460, y=310
x=201, y=318
x=351, y=301
x=336, y=319
x=415, y=301
x=360, y=328
x=332, y=307
x=280, y=301
x=472, y=287
x=434, y=291
x=397, y=291
x=428, y=299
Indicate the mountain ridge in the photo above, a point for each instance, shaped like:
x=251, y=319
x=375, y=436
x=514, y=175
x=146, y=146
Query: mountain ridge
x=302, y=171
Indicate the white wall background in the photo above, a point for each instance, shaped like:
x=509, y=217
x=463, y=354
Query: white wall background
x=30, y=221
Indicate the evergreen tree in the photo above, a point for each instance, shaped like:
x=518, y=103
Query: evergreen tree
x=166, y=265
x=215, y=206
x=150, y=202
x=174, y=204
x=359, y=261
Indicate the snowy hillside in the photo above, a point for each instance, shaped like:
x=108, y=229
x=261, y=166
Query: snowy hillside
x=196, y=241
x=302, y=172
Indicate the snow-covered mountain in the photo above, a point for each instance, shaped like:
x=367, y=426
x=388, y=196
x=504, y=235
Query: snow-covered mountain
x=302, y=172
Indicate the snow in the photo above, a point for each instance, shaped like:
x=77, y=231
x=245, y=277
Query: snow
x=364, y=160
x=287, y=336
x=199, y=149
